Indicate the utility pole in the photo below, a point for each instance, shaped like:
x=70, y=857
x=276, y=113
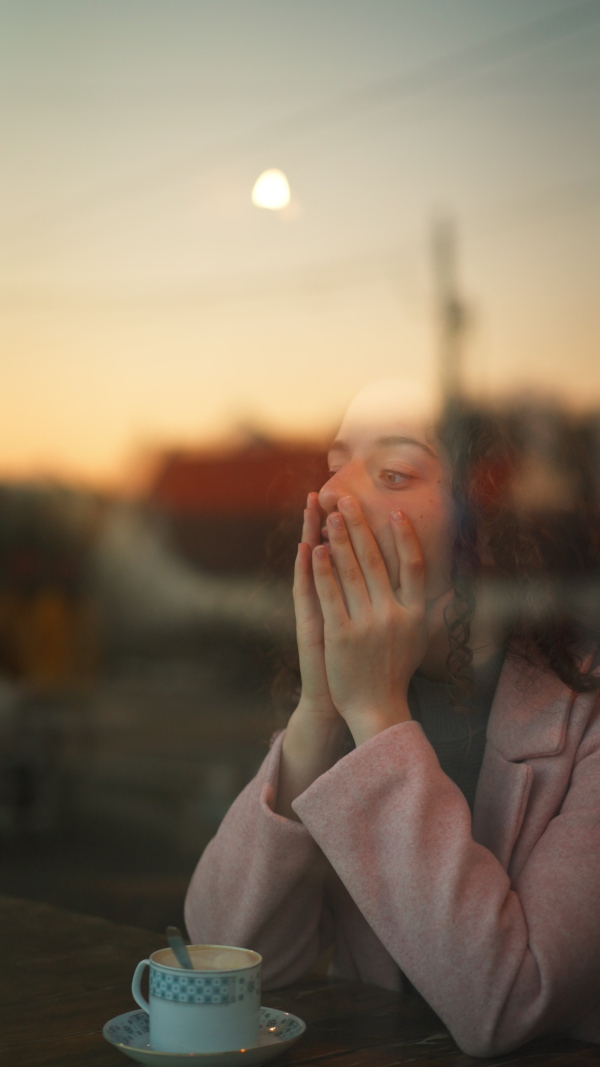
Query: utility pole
x=451, y=311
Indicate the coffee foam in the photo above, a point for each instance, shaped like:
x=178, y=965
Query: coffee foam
x=221, y=959
x=210, y=958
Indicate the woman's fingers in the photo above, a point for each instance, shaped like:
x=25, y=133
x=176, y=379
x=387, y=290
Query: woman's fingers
x=304, y=584
x=330, y=597
x=411, y=563
x=358, y=560
x=313, y=520
x=359, y=565
x=309, y=617
x=349, y=569
x=306, y=601
x=303, y=579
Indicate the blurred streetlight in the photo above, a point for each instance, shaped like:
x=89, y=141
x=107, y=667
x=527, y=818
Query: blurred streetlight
x=271, y=190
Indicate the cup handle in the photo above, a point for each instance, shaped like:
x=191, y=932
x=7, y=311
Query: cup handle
x=136, y=983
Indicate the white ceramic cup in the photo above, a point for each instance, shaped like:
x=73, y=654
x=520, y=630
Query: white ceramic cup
x=213, y=1008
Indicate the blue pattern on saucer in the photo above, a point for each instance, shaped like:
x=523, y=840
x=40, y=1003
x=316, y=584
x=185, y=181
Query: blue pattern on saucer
x=129, y=1033
x=132, y=1029
x=285, y=1029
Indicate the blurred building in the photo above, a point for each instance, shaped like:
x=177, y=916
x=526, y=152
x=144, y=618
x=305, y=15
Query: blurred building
x=48, y=629
x=135, y=665
x=223, y=509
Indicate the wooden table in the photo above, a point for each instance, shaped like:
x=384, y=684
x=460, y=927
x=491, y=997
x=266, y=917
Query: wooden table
x=64, y=975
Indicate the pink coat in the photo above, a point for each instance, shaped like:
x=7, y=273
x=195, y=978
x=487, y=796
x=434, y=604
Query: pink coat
x=496, y=923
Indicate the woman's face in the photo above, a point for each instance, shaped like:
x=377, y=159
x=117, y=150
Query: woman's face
x=386, y=456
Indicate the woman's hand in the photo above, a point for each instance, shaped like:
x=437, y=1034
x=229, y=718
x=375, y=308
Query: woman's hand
x=309, y=617
x=374, y=637
x=316, y=732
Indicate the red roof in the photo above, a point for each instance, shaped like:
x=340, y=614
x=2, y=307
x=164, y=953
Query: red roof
x=266, y=478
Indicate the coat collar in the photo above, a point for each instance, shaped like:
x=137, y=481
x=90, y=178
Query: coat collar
x=529, y=712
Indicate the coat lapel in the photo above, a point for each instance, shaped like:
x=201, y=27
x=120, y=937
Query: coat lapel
x=528, y=718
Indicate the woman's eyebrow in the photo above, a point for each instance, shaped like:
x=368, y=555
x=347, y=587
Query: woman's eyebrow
x=387, y=442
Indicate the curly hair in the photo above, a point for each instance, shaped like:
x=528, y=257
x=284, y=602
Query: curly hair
x=542, y=531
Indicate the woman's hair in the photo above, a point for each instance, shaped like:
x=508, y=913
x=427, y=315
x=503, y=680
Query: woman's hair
x=526, y=498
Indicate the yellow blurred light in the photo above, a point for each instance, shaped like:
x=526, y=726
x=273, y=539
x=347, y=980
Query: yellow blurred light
x=271, y=190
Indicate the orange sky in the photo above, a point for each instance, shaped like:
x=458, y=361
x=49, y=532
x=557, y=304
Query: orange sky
x=143, y=298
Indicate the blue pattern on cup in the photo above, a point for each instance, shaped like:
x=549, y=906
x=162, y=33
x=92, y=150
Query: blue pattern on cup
x=190, y=989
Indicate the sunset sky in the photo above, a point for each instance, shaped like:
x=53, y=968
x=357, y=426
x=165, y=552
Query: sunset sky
x=146, y=302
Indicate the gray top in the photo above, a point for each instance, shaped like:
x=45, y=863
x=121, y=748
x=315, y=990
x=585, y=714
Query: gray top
x=457, y=737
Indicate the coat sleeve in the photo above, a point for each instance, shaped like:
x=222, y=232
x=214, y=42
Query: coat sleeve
x=260, y=883
x=499, y=963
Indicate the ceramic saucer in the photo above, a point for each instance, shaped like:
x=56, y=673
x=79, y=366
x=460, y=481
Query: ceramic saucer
x=278, y=1030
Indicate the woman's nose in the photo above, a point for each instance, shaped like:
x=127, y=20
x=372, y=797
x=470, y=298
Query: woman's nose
x=335, y=487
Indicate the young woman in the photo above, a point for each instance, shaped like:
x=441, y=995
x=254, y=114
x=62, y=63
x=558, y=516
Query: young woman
x=456, y=840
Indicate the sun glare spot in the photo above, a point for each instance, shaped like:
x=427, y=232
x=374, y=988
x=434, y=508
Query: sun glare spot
x=271, y=190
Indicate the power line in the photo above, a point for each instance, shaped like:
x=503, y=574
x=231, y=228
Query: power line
x=458, y=66
x=315, y=279
x=304, y=282
x=569, y=197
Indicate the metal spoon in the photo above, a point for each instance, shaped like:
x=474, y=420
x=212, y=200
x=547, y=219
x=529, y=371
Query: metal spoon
x=178, y=947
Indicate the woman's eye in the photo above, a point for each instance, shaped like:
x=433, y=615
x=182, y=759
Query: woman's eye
x=394, y=477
